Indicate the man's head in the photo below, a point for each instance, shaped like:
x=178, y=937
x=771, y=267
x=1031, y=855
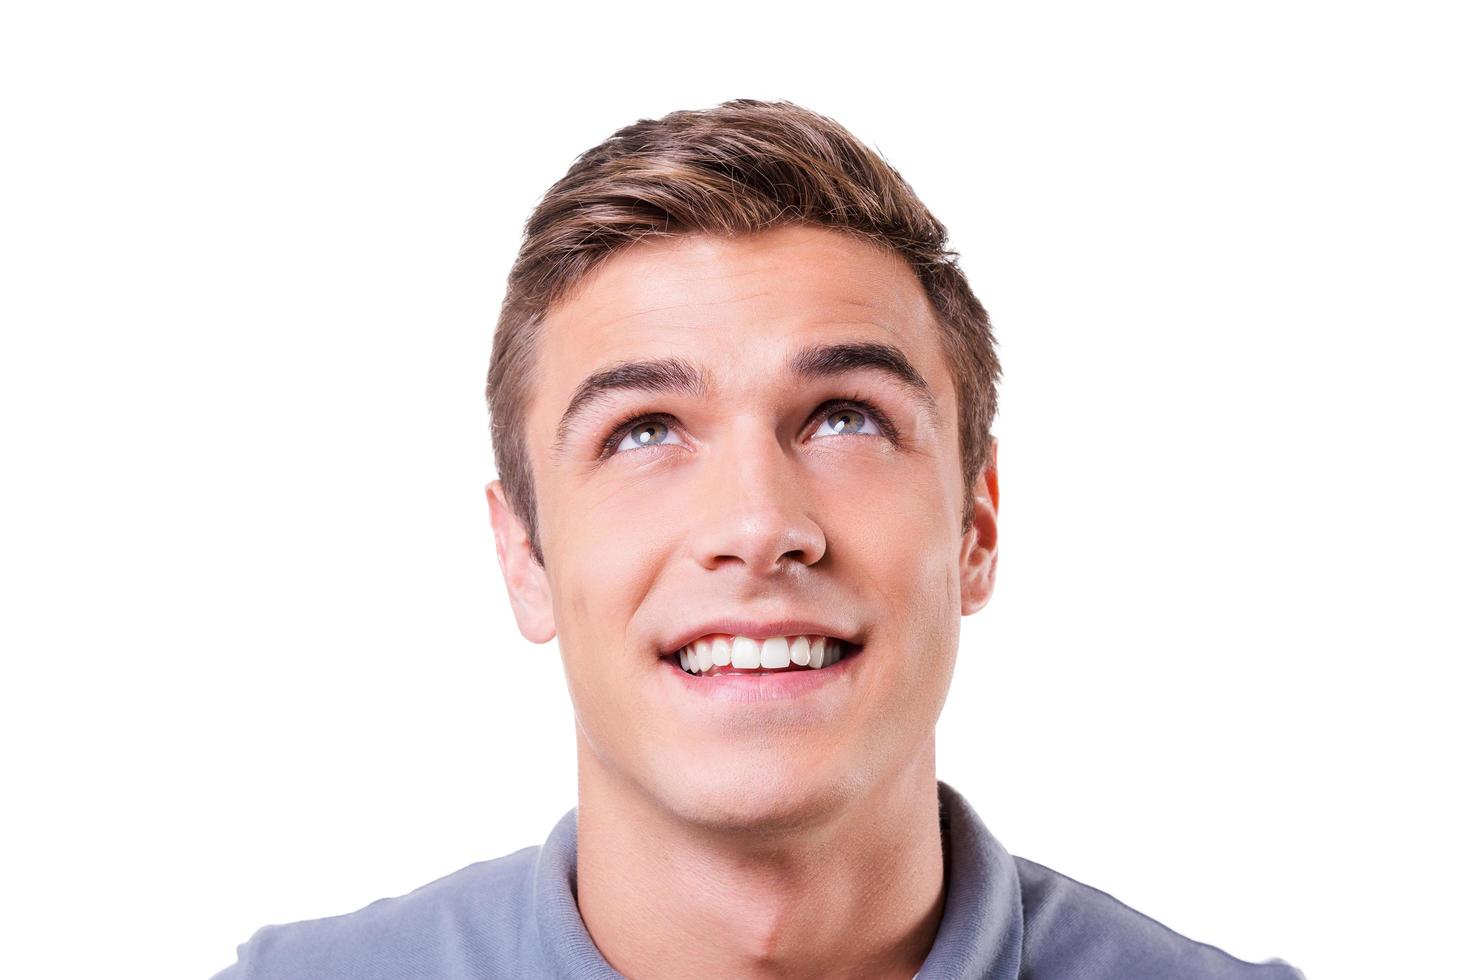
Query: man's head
x=739, y=380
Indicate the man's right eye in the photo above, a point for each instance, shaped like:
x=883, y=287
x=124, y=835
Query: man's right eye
x=642, y=432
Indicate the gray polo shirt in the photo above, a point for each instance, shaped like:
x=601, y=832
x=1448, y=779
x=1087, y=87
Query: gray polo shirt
x=1005, y=918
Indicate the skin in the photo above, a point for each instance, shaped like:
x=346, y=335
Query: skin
x=781, y=839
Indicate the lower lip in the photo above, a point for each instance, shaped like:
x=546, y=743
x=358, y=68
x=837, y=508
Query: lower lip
x=780, y=685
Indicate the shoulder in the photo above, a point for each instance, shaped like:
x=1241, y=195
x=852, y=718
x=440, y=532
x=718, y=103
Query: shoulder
x=1075, y=930
x=462, y=925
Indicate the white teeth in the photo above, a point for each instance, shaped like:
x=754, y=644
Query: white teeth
x=771, y=653
x=744, y=652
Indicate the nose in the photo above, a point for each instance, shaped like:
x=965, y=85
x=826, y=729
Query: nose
x=753, y=508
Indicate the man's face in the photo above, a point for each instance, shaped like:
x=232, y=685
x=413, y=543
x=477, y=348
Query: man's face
x=758, y=495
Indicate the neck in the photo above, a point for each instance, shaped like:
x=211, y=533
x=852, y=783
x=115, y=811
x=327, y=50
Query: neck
x=861, y=894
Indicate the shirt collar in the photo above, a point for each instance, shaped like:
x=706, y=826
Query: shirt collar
x=978, y=938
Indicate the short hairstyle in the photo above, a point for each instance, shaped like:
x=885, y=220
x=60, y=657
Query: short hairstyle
x=741, y=167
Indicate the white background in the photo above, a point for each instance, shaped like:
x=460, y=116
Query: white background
x=258, y=661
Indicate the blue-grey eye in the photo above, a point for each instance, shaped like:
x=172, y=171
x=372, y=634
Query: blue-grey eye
x=848, y=421
x=649, y=432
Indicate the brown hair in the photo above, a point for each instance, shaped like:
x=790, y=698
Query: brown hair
x=740, y=167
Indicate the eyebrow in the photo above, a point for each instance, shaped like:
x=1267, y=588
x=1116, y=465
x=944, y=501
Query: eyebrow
x=679, y=376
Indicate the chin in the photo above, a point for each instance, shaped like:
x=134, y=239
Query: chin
x=754, y=799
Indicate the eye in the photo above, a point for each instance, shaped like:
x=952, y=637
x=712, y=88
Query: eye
x=650, y=430
x=846, y=416
x=853, y=418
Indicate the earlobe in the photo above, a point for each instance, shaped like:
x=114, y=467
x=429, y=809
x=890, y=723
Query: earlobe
x=979, y=552
x=525, y=579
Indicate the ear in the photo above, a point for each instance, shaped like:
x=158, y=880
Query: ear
x=978, y=553
x=530, y=591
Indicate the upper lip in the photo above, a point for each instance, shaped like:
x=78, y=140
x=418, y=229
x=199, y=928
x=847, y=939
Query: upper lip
x=758, y=630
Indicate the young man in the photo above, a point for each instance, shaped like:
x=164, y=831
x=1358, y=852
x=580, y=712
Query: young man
x=741, y=400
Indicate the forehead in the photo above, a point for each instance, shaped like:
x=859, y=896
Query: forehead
x=737, y=306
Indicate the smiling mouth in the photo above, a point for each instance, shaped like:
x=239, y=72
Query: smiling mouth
x=721, y=655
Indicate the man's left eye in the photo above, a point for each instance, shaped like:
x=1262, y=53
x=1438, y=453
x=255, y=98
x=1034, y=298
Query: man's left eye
x=849, y=421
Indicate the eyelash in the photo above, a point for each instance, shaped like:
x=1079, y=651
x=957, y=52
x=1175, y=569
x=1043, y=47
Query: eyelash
x=884, y=424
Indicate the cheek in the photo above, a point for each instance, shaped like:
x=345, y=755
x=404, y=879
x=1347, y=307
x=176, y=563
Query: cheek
x=905, y=525
x=906, y=552
x=603, y=565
